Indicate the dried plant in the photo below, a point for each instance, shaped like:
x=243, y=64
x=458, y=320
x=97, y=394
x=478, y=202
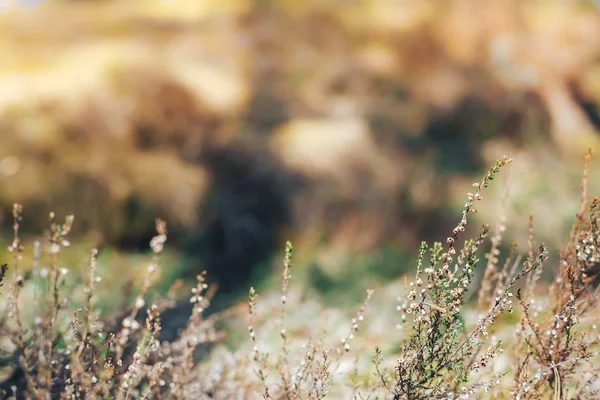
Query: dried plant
x=557, y=337
x=76, y=353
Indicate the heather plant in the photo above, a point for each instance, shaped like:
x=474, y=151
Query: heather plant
x=443, y=353
x=557, y=335
x=76, y=354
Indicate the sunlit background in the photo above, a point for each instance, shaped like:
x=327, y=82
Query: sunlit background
x=353, y=128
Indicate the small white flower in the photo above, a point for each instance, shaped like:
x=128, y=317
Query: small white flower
x=139, y=302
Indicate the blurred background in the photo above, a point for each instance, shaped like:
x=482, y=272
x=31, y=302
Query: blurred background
x=353, y=128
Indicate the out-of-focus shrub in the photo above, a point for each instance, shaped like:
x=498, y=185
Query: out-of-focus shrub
x=129, y=110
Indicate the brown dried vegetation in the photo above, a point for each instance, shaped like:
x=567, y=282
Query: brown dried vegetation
x=70, y=353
